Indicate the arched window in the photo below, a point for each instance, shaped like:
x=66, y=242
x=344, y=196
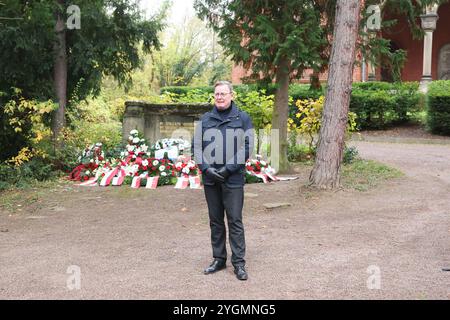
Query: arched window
x=444, y=62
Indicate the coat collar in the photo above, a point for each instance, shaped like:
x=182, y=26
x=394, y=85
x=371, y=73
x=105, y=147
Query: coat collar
x=233, y=112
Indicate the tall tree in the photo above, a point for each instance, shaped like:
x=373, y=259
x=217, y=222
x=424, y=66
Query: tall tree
x=326, y=170
x=277, y=40
x=188, y=54
x=60, y=72
x=108, y=42
x=334, y=120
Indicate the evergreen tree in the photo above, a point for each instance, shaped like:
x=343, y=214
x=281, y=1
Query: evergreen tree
x=46, y=60
x=277, y=40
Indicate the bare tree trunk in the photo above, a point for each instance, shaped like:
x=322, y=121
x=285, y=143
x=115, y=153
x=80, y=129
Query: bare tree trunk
x=314, y=81
x=60, y=75
x=278, y=149
x=326, y=171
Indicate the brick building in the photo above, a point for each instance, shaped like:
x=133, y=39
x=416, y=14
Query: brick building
x=427, y=59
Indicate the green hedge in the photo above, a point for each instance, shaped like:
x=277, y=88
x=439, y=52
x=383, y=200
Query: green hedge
x=183, y=90
x=438, y=116
x=380, y=104
x=376, y=104
x=297, y=91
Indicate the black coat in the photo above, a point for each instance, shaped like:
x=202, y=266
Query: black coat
x=235, y=153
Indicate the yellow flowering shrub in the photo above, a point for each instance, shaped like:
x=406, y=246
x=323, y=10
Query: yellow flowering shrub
x=307, y=118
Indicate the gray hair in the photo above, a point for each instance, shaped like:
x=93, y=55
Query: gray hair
x=224, y=83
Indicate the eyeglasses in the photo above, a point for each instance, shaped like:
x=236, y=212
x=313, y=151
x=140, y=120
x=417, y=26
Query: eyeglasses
x=221, y=94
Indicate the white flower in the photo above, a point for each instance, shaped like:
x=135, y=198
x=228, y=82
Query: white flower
x=157, y=146
x=122, y=154
x=87, y=172
x=142, y=140
x=135, y=168
x=263, y=163
x=191, y=164
x=163, y=174
x=137, y=150
x=133, y=132
x=145, y=163
x=162, y=168
x=185, y=170
x=155, y=162
x=130, y=148
x=128, y=170
x=92, y=160
x=136, y=140
x=248, y=163
x=144, y=148
x=178, y=165
x=130, y=138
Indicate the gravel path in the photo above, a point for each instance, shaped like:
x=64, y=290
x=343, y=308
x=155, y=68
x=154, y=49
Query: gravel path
x=388, y=243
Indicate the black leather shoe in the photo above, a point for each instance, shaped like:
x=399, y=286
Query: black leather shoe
x=240, y=272
x=216, y=265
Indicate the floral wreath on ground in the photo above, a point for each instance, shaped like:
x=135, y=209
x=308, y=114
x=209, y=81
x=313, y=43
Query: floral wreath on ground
x=137, y=166
x=89, y=160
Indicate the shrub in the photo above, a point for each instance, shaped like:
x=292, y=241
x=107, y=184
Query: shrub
x=438, y=118
x=21, y=176
x=307, y=119
x=300, y=153
x=380, y=104
x=350, y=155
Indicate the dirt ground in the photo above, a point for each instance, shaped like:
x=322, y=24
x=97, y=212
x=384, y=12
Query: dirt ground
x=391, y=242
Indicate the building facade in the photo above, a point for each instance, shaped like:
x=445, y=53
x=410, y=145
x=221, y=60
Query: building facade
x=427, y=59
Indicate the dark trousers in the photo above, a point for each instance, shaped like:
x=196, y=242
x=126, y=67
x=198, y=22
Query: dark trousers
x=221, y=198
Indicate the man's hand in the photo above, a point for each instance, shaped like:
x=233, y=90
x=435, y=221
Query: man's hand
x=224, y=172
x=214, y=174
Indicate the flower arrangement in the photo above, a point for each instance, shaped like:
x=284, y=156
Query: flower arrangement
x=169, y=148
x=136, y=147
x=258, y=170
x=164, y=168
x=90, y=159
x=136, y=167
x=167, y=143
x=187, y=168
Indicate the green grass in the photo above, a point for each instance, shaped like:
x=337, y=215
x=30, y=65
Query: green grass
x=363, y=175
x=15, y=200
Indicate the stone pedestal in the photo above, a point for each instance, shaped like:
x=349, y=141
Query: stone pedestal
x=158, y=121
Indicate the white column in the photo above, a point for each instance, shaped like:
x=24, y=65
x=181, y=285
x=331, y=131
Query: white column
x=428, y=25
x=427, y=55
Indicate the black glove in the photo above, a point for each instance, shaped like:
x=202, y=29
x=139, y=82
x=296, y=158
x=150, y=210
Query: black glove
x=224, y=172
x=214, y=174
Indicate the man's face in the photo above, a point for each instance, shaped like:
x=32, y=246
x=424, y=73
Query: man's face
x=223, y=97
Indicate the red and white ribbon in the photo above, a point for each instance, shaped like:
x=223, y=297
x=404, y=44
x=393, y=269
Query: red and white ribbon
x=89, y=183
x=106, y=180
x=272, y=177
x=260, y=175
x=136, y=183
x=118, y=181
x=152, y=182
x=194, y=182
x=182, y=182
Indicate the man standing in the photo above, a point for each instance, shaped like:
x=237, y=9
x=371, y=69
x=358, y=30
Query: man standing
x=223, y=141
